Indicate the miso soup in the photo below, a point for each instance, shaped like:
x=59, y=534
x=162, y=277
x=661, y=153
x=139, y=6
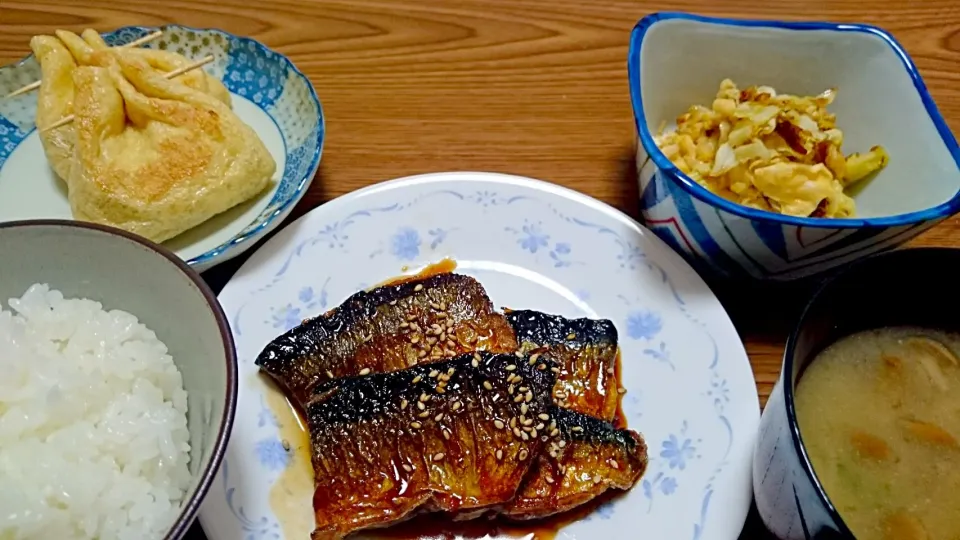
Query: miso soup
x=879, y=414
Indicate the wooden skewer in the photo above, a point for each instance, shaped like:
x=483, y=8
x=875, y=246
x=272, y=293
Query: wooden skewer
x=135, y=43
x=169, y=75
x=156, y=34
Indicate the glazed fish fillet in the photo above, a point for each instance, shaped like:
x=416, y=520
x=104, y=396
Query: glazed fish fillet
x=392, y=327
x=433, y=437
x=586, y=458
x=586, y=351
x=386, y=329
x=589, y=456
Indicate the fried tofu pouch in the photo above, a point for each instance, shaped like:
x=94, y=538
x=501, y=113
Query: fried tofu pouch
x=156, y=157
x=149, y=155
x=59, y=56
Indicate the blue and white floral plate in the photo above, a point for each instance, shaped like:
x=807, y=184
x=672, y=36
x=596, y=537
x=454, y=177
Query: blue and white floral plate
x=533, y=245
x=269, y=93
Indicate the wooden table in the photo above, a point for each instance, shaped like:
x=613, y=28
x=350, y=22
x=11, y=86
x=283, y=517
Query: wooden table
x=531, y=87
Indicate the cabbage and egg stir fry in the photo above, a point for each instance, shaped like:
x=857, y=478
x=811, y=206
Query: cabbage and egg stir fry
x=774, y=152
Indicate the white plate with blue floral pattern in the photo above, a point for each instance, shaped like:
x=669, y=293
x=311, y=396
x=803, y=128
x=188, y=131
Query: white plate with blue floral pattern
x=534, y=245
x=269, y=93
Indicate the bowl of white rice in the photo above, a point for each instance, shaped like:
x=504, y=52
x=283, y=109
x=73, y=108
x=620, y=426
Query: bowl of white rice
x=118, y=385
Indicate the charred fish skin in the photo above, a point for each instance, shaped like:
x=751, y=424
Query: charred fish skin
x=585, y=458
x=546, y=329
x=453, y=436
x=386, y=329
x=586, y=350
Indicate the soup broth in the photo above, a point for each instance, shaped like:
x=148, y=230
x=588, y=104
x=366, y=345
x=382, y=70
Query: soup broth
x=879, y=413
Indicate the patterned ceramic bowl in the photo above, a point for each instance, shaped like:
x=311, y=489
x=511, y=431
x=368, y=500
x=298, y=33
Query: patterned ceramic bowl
x=269, y=93
x=790, y=498
x=81, y=260
x=677, y=60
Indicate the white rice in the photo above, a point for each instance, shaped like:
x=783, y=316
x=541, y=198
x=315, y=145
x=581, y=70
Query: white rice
x=93, y=427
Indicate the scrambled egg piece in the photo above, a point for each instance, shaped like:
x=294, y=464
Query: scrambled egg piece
x=774, y=152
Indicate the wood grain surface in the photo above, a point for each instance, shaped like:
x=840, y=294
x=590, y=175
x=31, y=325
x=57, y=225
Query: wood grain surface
x=530, y=87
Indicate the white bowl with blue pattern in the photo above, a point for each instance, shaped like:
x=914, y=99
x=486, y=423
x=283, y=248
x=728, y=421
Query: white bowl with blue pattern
x=269, y=93
x=676, y=60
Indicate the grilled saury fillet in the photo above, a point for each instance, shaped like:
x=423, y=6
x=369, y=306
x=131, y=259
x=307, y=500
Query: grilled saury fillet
x=586, y=351
x=386, y=329
x=456, y=435
x=395, y=326
x=587, y=457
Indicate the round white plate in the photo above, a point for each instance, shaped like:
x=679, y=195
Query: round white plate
x=269, y=94
x=691, y=391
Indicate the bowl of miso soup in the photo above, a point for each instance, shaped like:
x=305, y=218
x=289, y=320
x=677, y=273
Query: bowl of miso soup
x=861, y=435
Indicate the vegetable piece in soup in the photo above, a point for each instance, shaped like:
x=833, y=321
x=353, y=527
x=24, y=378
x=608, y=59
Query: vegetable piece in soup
x=879, y=413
